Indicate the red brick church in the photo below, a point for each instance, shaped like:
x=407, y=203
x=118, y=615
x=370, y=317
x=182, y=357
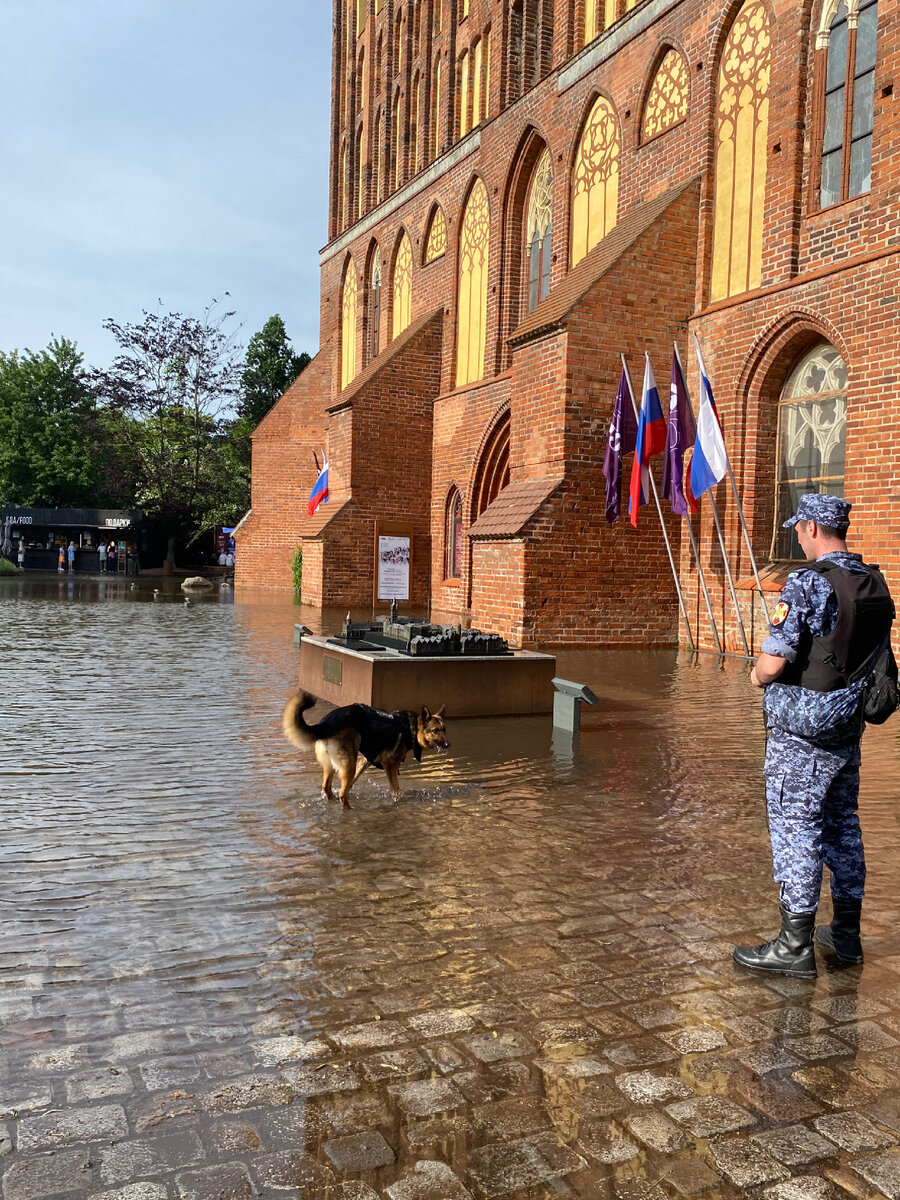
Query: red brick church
x=522, y=191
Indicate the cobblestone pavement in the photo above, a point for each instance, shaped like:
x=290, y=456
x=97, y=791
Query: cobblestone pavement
x=516, y=982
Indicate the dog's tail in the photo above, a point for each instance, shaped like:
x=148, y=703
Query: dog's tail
x=295, y=728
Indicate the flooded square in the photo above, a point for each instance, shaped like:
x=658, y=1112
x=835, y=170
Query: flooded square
x=514, y=982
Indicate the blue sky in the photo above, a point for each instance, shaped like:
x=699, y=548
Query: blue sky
x=162, y=149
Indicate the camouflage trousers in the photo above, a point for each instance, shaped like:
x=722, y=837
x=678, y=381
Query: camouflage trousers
x=811, y=798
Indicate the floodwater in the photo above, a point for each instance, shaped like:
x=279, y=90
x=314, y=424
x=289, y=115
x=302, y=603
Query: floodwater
x=515, y=981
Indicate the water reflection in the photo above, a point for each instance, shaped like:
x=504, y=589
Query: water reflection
x=182, y=908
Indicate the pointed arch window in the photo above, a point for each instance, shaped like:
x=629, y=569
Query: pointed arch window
x=436, y=243
x=403, y=265
x=360, y=175
x=667, y=100
x=477, y=51
x=539, y=231
x=414, y=125
x=595, y=180
x=376, y=306
x=453, y=536
x=848, y=104
x=493, y=468
x=742, y=126
x=348, y=325
x=811, y=440
x=474, y=245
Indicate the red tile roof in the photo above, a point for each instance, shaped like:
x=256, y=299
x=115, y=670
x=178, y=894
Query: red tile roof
x=312, y=526
x=514, y=507
x=573, y=287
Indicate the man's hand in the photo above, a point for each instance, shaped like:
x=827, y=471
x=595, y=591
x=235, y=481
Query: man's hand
x=767, y=669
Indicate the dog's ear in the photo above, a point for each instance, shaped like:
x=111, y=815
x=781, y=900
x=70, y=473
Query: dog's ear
x=440, y=711
x=424, y=715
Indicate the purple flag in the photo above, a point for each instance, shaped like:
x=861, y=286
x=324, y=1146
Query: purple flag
x=622, y=438
x=679, y=434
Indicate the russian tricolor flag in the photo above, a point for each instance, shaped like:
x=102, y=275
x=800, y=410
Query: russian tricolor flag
x=709, y=463
x=651, y=439
x=319, y=494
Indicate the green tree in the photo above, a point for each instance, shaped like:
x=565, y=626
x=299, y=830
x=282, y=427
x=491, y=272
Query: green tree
x=270, y=367
x=172, y=387
x=45, y=456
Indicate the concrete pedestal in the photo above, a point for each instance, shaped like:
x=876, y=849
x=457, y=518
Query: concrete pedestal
x=468, y=687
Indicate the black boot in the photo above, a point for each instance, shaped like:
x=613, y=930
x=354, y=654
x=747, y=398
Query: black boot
x=841, y=937
x=791, y=953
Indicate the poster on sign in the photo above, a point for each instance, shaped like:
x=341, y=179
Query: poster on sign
x=393, y=566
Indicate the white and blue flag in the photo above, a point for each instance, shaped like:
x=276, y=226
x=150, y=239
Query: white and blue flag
x=709, y=463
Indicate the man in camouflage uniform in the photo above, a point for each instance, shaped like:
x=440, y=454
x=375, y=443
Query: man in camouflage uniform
x=832, y=618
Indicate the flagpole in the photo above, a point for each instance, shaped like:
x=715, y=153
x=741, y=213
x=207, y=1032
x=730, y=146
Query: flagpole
x=662, y=523
x=740, y=509
x=694, y=547
x=715, y=512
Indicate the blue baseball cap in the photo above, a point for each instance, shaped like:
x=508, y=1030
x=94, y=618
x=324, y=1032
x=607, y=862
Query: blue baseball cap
x=830, y=511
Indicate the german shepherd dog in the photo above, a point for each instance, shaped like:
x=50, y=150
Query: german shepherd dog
x=348, y=739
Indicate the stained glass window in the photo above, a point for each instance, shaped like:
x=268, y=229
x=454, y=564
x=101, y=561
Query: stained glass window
x=596, y=180
x=742, y=125
x=454, y=536
x=403, y=285
x=812, y=426
x=474, y=244
x=539, y=231
x=436, y=245
x=849, y=114
x=376, y=306
x=667, y=101
x=348, y=325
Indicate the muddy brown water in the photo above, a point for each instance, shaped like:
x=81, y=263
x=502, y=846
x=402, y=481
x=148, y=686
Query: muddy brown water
x=182, y=913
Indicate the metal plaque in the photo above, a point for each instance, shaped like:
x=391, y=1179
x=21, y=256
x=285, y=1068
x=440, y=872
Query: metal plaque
x=332, y=669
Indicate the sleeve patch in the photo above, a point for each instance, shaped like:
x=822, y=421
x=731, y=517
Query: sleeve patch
x=779, y=616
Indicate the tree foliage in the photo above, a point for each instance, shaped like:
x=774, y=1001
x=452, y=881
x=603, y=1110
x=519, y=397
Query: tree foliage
x=172, y=385
x=271, y=366
x=45, y=458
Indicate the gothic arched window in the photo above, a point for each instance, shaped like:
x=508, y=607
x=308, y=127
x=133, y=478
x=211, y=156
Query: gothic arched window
x=848, y=104
x=436, y=108
x=596, y=180
x=742, y=125
x=667, y=100
x=811, y=439
x=493, y=467
x=348, y=324
x=436, y=242
x=539, y=231
x=471, y=319
x=403, y=265
x=453, y=536
x=376, y=306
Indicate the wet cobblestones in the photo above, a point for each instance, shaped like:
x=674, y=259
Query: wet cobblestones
x=514, y=983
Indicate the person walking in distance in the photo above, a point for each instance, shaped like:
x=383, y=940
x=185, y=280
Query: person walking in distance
x=101, y=550
x=71, y=556
x=112, y=560
x=833, y=619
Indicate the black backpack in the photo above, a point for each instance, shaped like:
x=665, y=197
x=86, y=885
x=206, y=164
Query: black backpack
x=882, y=698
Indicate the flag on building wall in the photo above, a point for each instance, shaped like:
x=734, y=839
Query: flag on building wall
x=319, y=494
x=651, y=439
x=709, y=463
x=679, y=429
x=622, y=435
